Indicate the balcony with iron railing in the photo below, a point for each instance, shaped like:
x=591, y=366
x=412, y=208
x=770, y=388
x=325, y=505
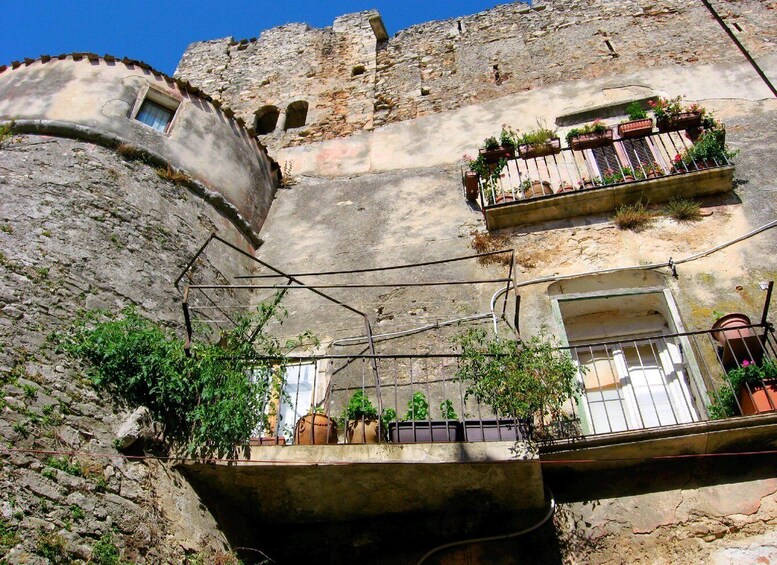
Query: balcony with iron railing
x=667, y=381
x=654, y=168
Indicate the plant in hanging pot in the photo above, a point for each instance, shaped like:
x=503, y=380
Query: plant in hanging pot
x=362, y=424
x=751, y=386
x=418, y=427
x=709, y=151
x=539, y=142
x=638, y=124
x=589, y=136
x=529, y=381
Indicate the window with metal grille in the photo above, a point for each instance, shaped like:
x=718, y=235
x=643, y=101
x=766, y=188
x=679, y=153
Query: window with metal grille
x=606, y=159
x=638, y=153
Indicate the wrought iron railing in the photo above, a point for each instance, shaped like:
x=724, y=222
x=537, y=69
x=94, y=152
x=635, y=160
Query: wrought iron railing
x=625, y=161
x=624, y=384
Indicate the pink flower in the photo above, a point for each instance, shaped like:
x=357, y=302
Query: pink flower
x=651, y=103
x=745, y=363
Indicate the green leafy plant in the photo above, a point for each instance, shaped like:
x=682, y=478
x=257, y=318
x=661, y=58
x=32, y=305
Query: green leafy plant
x=206, y=402
x=724, y=404
x=634, y=217
x=8, y=536
x=105, y=552
x=491, y=143
x=6, y=132
x=508, y=137
x=538, y=136
x=683, y=210
x=447, y=410
x=52, y=547
x=417, y=407
x=529, y=380
x=709, y=148
x=665, y=108
x=388, y=415
x=635, y=111
x=359, y=406
x=63, y=464
x=594, y=127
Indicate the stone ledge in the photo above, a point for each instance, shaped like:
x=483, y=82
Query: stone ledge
x=606, y=199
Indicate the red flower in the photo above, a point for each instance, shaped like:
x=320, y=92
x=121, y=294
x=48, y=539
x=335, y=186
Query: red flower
x=678, y=158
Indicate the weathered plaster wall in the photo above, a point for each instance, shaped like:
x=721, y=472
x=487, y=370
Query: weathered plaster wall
x=100, y=95
x=81, y=227
x=443, y=65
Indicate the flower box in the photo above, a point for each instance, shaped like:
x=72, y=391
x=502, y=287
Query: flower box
x=591, y=140
x=425, y=431
x=266, y=440
x=496, y=430
x=636, y=128
x=471, y=183
x=532, y=151
x=494, y=155
x=683, y=120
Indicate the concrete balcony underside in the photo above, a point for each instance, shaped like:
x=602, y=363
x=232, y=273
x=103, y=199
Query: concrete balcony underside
x=604, y=199
x=306, y=484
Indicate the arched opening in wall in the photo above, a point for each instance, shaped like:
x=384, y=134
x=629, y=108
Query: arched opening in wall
x=296, y=114
x=358, y=70
x=266, y=119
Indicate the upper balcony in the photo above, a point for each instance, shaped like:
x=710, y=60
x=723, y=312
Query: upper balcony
x=600, y=176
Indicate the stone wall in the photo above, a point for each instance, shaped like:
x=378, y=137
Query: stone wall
x=449, y=64
x=81, y=227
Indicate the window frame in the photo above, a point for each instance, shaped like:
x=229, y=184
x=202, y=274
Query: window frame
x=697, y=389
x=161, y=98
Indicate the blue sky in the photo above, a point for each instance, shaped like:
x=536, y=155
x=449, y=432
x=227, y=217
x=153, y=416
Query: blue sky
x=158, y=31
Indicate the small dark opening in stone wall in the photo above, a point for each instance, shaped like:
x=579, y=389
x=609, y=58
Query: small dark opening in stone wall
x=266, y=119
x=358, y=70
x=296, y=114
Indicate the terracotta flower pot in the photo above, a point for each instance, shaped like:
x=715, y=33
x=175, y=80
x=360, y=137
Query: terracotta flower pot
x=471, y=185
x=315, y=429
x=501, y=152
x=565, y=187
x=591, y=140
x=636, y=128
x=683, y=120
x=552, y=147
x=266, y=440
x=759, y=398
x=363, y=431
x=731, y=326
x=503, y=198
x=538, y=188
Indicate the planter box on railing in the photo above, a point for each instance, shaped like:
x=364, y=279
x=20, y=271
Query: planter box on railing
x=424, y=431
x=758, y=398
x=534, y=151
x=683, y=120
x=591, y=140
x=496, y=430
x=636, y=128
x=494, y=155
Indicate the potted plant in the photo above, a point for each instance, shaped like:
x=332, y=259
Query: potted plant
x=315, y=428
x=565, y=186
x=708, y=151
x=529, y=380
x=418, y=427
x=587, y=182
x=539, y=142
x=595, y=134
x=638, y=124
x=362, y=424
x=492, y=150
x=751, y=386
x=671, y=115
x=652, y=170
x=532, y=188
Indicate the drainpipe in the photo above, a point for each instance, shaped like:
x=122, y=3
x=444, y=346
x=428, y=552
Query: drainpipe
x=740, y=46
